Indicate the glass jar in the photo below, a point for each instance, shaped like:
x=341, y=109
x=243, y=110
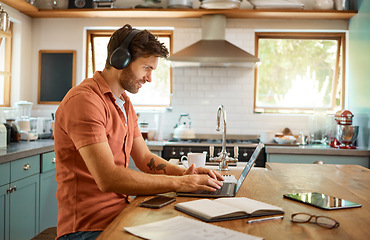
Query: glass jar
x=323, y=4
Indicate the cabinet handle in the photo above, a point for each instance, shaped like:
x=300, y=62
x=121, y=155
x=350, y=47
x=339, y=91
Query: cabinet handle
x=26, y=167
x=10, y=190
x=54, y=160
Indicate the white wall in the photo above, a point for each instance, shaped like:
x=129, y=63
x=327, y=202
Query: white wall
x=197, y=91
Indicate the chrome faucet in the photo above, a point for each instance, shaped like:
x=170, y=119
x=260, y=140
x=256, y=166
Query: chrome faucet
x=223, y=157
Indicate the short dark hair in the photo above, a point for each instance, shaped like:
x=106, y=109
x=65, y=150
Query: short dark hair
x=144, y=44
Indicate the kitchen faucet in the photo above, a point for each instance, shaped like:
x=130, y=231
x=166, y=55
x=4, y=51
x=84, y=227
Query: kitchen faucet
x=223, y=157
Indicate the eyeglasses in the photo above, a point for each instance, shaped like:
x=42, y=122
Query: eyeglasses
x=322, y=221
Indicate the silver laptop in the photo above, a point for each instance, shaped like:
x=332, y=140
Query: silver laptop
x=228, y=189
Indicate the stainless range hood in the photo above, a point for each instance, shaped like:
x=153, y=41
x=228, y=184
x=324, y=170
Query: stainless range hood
x=213, y=50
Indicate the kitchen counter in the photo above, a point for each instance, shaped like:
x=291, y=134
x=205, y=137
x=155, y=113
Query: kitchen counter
x=155, y=145
x=316, y=150
x=22, y=149
x=29, y=148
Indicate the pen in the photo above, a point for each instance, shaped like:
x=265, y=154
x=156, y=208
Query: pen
x=265, y=219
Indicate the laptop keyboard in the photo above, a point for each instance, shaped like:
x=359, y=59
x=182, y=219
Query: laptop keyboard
x=223, y=190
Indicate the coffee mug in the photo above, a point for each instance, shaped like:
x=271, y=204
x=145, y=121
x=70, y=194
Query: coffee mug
x=198, y=158
x=267, y=137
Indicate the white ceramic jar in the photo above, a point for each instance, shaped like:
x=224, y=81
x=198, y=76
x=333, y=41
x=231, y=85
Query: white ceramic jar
x=3, y=136
x=323, y=5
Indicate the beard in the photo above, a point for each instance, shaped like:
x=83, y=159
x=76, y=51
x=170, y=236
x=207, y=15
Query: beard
x=129, y=81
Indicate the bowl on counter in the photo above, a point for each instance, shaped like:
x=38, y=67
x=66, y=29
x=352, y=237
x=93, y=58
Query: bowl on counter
x=285, y=139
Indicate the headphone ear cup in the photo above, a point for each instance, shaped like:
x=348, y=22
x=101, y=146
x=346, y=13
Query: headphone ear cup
x=120, y=58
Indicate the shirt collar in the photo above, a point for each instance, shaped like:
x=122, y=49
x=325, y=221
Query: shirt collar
x=104, y=87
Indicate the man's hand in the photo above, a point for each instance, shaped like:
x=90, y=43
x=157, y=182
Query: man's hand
x=194, y=170
x=194, y=182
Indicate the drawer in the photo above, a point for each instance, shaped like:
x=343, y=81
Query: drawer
x=47, y=161
x=24, y=167
x=4, y=173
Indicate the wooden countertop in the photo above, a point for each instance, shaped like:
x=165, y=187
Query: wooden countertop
x=350, y=182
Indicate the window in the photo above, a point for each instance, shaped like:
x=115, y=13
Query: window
x=299, y=72
x=5, y=66
x=155, y=94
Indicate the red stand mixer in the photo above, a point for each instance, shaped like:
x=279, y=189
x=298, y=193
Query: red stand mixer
x=345, y=133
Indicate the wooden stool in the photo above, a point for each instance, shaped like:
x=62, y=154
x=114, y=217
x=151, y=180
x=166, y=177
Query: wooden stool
x=47, y=234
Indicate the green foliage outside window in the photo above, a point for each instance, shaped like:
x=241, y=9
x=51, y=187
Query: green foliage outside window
x=298, y=75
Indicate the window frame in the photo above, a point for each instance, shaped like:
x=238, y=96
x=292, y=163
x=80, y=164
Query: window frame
x=8, y=37
x=340, y=66
x=90, y=34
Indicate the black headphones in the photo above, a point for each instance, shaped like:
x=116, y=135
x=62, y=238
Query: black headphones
x=121, y=56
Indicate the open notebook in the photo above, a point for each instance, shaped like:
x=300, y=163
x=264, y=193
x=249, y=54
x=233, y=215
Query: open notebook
x=228, y=189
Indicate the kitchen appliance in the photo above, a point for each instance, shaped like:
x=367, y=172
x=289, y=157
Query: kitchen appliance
x=24, y=126
x=24, y=108
x=213, y=50
x=43, y=127
x=341, y=4
x=323, y=4
x=183, y=128
x=149, y=4
x=180, y=4
x=44, y=4
x=80, y=4
x=8, y=133
x=274, y=4
x=10, y=117
x=176, y=148
x=220, y=4
x=103, y=3
x=346, y=133
x=23, y=121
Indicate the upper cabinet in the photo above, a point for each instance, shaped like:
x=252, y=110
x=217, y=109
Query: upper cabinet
x=34, y=12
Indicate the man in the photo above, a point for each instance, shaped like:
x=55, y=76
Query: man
x=96, y=131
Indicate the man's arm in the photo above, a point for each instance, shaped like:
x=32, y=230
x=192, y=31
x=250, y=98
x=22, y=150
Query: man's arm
x=111, y=178
x=148, y=162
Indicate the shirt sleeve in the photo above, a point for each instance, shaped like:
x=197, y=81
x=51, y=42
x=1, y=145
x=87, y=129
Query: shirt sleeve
x=84, y=119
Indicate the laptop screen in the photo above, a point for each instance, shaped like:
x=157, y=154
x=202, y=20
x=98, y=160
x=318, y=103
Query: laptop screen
x=249, y=165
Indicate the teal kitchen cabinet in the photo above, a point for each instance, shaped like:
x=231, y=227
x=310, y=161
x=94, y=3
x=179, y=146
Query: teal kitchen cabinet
x=19, y=198
x=24, y=208
x=4, y=200
x=314, y=154
x=48, y=188
x=309, y=159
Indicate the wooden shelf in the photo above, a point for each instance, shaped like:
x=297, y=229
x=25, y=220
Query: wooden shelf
x=33, y=12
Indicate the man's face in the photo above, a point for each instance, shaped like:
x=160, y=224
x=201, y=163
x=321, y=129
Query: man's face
x=137, y=73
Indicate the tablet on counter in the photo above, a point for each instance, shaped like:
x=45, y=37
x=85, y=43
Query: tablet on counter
x=321, y=200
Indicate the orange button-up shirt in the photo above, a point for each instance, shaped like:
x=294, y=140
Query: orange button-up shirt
x=89, y=114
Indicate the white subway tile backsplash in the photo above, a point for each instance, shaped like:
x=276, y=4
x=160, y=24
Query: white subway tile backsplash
x=199, y=92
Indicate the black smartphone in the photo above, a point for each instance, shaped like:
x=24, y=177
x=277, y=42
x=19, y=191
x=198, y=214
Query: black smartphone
x=157, y=202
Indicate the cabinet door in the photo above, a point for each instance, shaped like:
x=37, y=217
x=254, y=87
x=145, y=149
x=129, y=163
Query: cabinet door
x=48, y=200
x=4, y=213
x=24, y=208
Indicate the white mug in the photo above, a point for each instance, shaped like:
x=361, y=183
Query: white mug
x=267, y=137
x=198, y=158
